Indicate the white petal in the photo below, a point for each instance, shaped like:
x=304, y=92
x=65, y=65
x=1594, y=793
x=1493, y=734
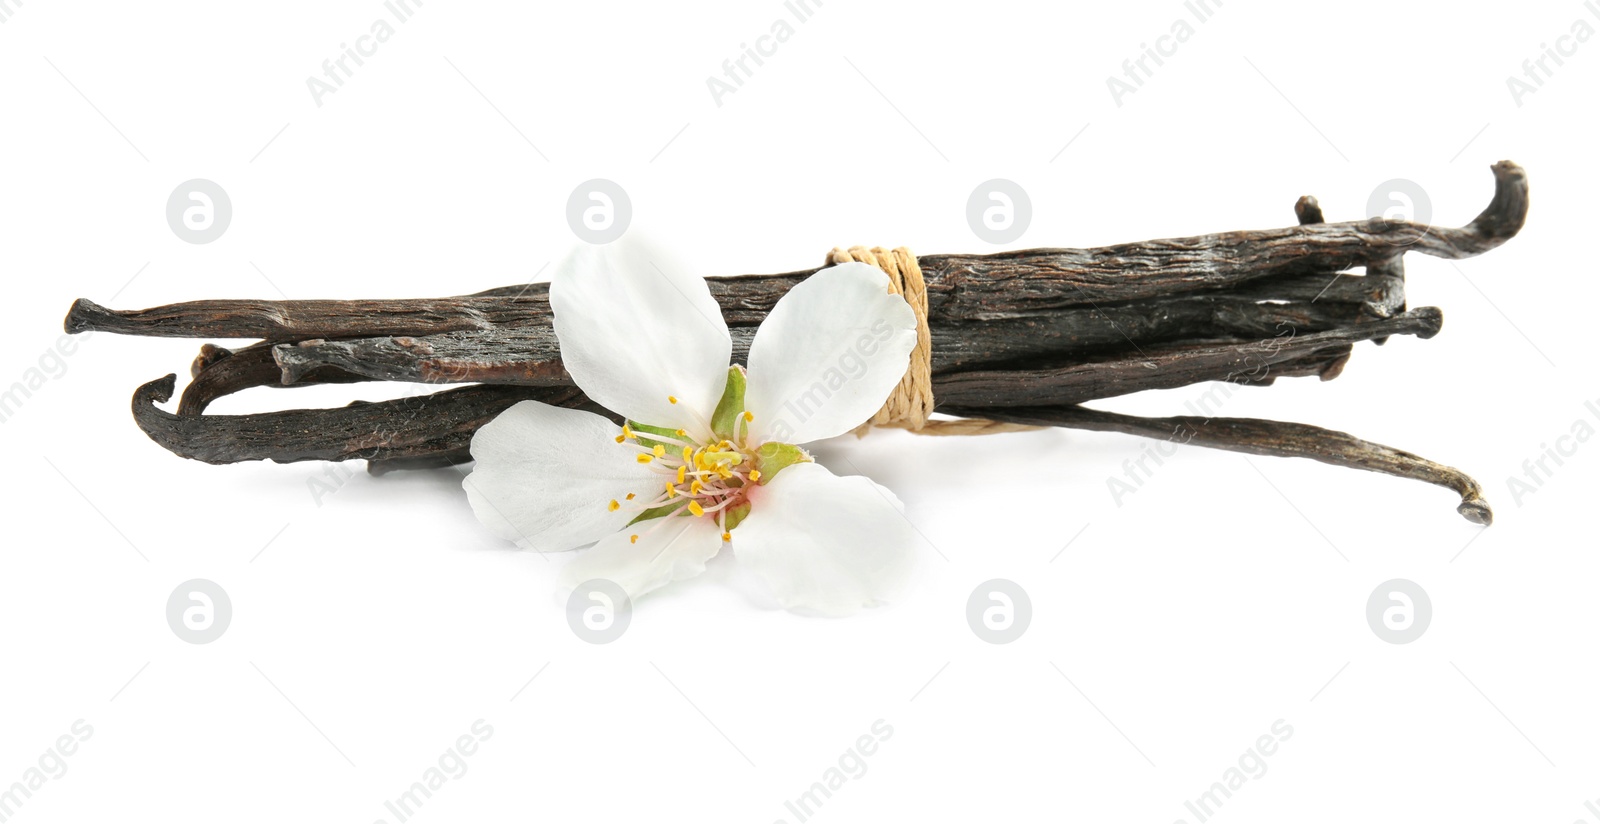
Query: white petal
x=824, y=543
x=545, y=475
x=668, y=550
x=635, y=329
x=827, y=356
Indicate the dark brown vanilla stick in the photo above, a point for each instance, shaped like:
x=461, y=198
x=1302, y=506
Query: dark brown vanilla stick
x=426, y=426
x=960, y=287
x=1156, y=367
x=1166, y=367
x=1259, y=437
x=744, y=301
x=429, y=430
x=277, y=320
x=531, y=355
x=218, y=372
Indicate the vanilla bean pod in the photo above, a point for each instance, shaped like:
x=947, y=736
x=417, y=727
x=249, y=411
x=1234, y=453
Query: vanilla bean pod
x=421, y=427
x=1167, y=367
x=217, y=372
x=960, y=287
x=1261, y=437
x=435, y=429
x=530, y=354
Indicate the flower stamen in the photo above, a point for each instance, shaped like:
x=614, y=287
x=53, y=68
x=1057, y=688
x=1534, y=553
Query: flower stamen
x=701, y=474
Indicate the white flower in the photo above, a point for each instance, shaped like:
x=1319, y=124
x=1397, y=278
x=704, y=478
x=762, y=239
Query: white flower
x=709, y=456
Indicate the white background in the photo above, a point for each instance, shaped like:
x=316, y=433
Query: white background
x=373, y=626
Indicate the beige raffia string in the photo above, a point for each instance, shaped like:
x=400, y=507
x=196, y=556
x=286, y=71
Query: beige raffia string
x=911, y=402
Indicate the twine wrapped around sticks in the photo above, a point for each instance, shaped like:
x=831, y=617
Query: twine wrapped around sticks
x=911, y=402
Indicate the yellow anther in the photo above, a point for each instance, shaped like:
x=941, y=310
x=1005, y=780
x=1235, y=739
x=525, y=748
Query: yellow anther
x=661, y=451
x=626, y=432
x=630, y=496
x=688, y=454
x=681, y=471
x=672, y=399
x=755, y=474
x=725, y=472
x=672, y=491
x=682, y=434
x=694, y=488
x=727, y=536
x=643, y=458
x=633, y=539
x=696, y=508
x=613, y=506
x=748, y=416
x=620, y=439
